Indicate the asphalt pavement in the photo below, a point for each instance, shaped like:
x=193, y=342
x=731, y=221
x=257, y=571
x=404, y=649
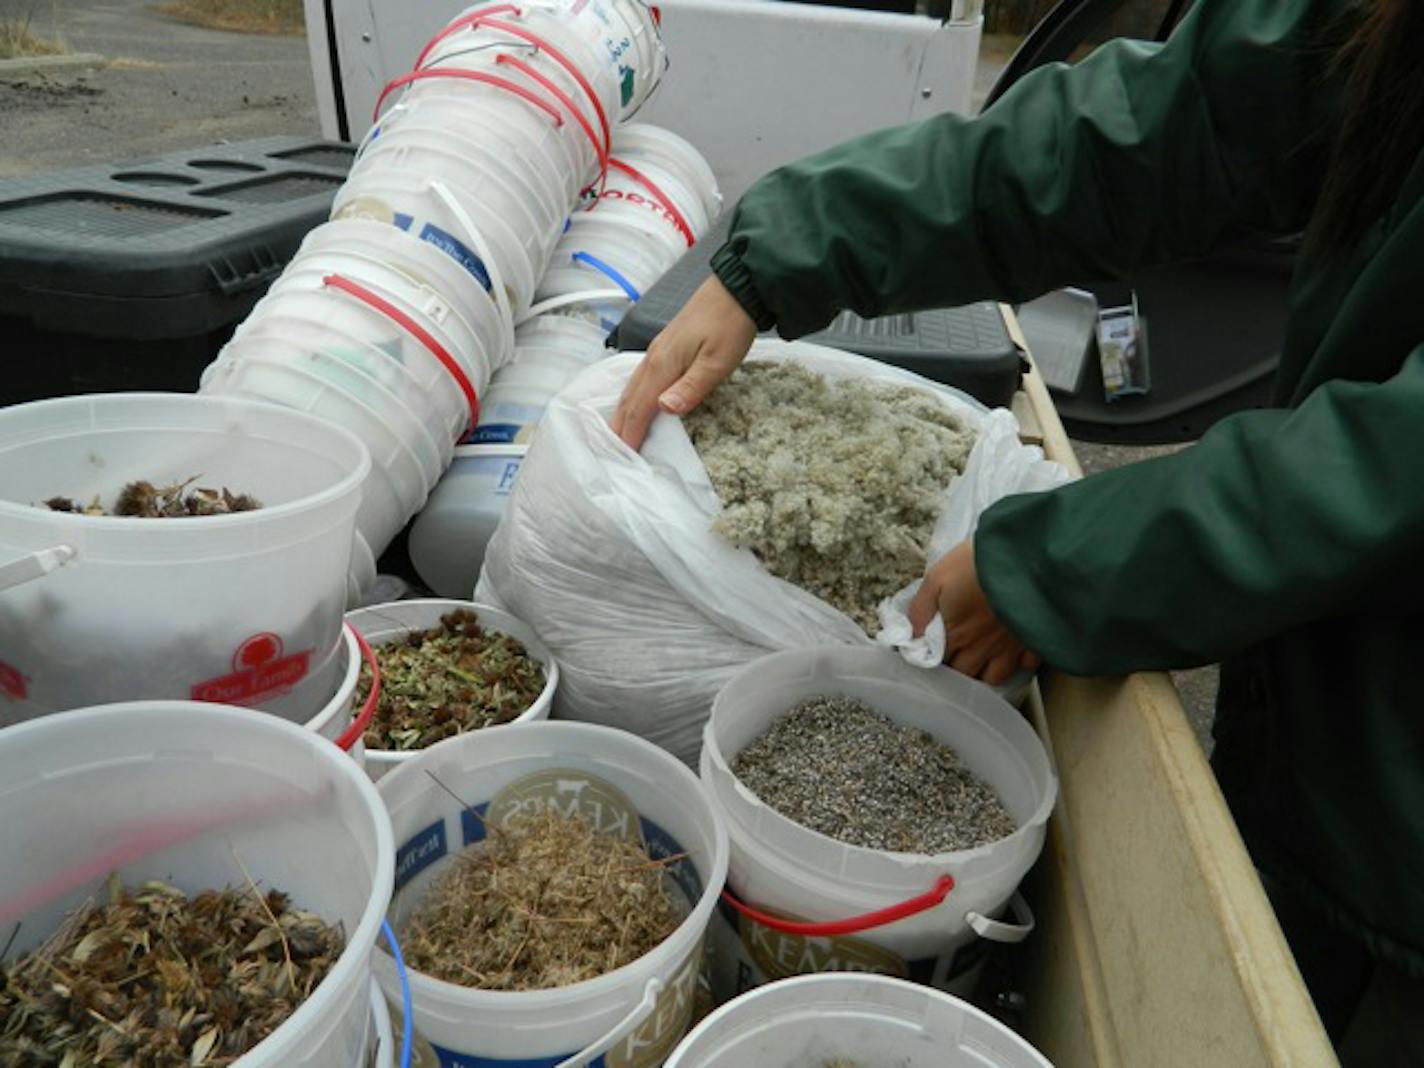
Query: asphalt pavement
x=167, y=85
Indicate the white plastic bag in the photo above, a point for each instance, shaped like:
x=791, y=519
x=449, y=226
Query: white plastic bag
x=609, y=555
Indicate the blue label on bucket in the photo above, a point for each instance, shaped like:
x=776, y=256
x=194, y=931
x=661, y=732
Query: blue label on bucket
x=495, y=434
x=472, y=823
x=419, y=852
x=451, y=1059
x=451, y=246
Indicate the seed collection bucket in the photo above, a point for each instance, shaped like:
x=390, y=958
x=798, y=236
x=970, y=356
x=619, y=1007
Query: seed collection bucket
x=385, y=623
x=242, y=608
x=855, y=1019
x=800, y=901
x=630, y=1017
x=447, y=542
x=191, y=794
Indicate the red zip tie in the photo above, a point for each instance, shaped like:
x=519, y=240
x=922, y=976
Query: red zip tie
x=460, y=23
x=469, y=76
x=361, y=722
x=563, y=98
x=417, y=331
x=879, y=918
x=661, y=197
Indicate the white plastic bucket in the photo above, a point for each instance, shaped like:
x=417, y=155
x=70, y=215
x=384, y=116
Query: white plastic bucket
x=334, y=717
x=574, y=337
x=500, y=54
x=448, y=539
x=640, y=143
x=244, y=608
x=482, y=190
x=865, y=1020
x=479, y=241
x=519, y=152
x=352, y=365
x=600, y=309
x=630, y=42
x=787, y=870
x=385, y=1053
x=641, y=200
x=597, y=253
x=630, y=1017
x=486, y=174
x=508, y=418
x=383, y=623
x=309, y=315
x=394, y=488
x=550, y=27
x=182, y=792
x=397, y=442
x=420, y=278
x=493, y=120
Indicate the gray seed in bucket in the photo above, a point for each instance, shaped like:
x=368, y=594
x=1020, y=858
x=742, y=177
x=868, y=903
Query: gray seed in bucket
x=838, y=767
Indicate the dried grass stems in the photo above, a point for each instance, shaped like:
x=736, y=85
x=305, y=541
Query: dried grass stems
x=834, y=484
x=144, y=500
x=448, y=680
x=545, y=901
x=159, y=979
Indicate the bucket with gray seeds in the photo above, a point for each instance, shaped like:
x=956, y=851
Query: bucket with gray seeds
x=881, y=817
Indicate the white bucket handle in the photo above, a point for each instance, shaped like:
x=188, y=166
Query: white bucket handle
x=482, y=249
x=623, y=1027
x=998, y=930
x=35, y=565
x=554, y=303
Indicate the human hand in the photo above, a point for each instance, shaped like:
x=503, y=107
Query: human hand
x=976, y=643
x=702, y=345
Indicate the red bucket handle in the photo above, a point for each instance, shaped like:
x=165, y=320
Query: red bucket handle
x=469, y=76
x=564, y=99
x=390, y=311
x=363, y=720
x=879, y=918
x=460, y=23
x=662, y=198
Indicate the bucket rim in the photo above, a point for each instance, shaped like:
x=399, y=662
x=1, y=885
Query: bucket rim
x=661, y=957
x=715, y=771
x=350, y=482
x=841, y=984
x=354, y=959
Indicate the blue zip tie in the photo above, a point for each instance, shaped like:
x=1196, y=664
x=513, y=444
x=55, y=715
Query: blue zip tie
x=408, y=1024
x=612, y=273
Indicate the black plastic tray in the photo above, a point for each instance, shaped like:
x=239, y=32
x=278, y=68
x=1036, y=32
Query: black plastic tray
x=132, y=275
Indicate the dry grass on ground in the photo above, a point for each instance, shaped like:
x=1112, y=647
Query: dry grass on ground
x=241, y=16
x=20, y=33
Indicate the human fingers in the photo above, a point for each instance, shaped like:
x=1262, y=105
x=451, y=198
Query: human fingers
x=1001, y=668
x=668, y=357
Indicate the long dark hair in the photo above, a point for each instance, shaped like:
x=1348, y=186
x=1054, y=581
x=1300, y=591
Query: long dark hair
x=1381, y=129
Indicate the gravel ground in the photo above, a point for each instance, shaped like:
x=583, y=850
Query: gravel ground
x=1198, y=688
x=167, y=86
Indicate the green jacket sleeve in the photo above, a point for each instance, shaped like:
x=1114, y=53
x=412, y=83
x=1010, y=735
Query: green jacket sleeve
x=1139, y=154
x=1276, y=518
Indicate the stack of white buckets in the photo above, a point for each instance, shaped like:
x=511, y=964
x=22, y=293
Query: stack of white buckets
x=660, y=196
x=396, y=317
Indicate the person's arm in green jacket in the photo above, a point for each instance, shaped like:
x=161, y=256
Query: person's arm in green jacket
x=1274, y=519
x=1139, y=154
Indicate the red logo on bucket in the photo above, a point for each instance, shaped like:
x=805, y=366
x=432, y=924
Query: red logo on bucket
x=12, y=683
x=258, y=670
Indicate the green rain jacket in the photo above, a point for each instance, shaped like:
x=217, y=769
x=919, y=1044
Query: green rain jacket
x=1289, y=542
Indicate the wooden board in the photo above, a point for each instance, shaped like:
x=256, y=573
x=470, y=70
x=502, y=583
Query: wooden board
x=1157, y=947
